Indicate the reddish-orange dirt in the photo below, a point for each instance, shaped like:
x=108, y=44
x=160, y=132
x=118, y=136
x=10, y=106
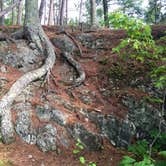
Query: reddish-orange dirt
x=20, y=153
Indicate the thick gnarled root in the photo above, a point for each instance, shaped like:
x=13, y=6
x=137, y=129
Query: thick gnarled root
x=77, y=67
x=44, y=45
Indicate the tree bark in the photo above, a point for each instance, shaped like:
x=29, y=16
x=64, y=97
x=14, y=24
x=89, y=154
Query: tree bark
x=19, y=13
x=105, y=9
x=50, y=18
x=80, y=12
x=13, y=14
x=34, y=33
x=1, y=9
x=61, y=13
x=93, y=12
x=67, y=11
x=41, y=9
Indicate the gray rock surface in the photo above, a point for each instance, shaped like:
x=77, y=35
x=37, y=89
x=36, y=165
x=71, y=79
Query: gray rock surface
x=21, y=57
x=24, y=127
x=46, y=138
x=90, y=140
x=144, y=116
x=59, y=117
x=119, y=132
x=63, y=43
x=47, y=114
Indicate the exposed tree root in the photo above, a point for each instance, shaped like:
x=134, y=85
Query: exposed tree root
x=18, y=34
x=74, y=41
x=77, y=67
x=36, y=35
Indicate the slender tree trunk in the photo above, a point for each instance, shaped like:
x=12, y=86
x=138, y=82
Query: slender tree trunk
x=41, y=9
x=50, y=18
x=93, y=12
x=66, y=11
x=105, y=9
x=80, y=12
x=19, y=13
x=2, y=17
x=13, y=13
x=45, y=13
x=61, y=13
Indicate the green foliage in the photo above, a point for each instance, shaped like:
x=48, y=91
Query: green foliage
x=82, y=160
x=160, y=142
x=153, y=100
x=127, y=161
x=140, y=152
x=163, y=153
x=78, y=150
x=160, y=74
x=147, y=161
x=139, y=37
x=160, y=163
x=139, y=149
x=139, y=45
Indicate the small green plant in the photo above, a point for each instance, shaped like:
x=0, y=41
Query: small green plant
x=78, y=150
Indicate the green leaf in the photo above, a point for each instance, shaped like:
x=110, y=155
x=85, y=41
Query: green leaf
x=92, y=164
x=127, y=161
x=82, y=160
x=162, y=153
x=76, y=151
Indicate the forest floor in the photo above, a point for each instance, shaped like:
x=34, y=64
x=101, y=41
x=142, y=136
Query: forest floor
x=20, y=153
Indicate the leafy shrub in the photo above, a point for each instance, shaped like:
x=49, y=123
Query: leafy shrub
x=139, y=45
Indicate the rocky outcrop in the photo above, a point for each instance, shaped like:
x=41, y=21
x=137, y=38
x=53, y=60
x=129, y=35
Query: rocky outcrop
x=46, y=139
x=20, y=55
x=24, y=127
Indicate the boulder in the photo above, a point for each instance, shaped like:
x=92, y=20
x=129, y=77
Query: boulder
x=46, y=138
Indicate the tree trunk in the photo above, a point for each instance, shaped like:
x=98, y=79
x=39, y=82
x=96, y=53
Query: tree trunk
x=45, y=13
x=1, y=9
x=34, y=33
x=41, y=9
x=19, y=13
x=61, y=13
x=105, y=9
x=66, y=11
x=13, y=13
x=93, y=12
x=51, y=12
x=80, y=12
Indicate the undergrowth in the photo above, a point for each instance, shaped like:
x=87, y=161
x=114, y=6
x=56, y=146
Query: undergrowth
x=141, y=58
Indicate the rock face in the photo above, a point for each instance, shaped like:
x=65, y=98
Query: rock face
x=46, y=139
x=144, y=116
x=90, y=140
x=118, y=132
x=24, y=127
x=47, y=114
x=63, y=43
x=20, y=55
